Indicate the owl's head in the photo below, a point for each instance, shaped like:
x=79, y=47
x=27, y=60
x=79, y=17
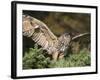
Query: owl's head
x=64, y=41
x=66, y=37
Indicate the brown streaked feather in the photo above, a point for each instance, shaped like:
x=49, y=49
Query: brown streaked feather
x=41, y=33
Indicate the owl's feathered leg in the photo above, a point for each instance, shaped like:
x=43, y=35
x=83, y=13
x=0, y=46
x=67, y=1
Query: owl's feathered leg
x=61, y=55
x=55, y=56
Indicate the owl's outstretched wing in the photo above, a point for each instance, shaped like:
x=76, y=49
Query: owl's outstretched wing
x=80, y=35
x=39, y=32
x=80, y=42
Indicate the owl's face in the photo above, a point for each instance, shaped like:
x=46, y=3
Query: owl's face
x=64, y=42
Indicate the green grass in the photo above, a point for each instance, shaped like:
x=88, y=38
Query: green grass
x=36, y=58
x=74, y=60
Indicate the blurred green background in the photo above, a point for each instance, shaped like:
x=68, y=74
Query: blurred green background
x=60, y=22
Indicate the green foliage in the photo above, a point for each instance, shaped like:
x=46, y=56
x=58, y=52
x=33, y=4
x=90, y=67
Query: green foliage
x=35, y=59
x=74, y=60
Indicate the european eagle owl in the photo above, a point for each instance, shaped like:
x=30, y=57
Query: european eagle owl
x=42, y=35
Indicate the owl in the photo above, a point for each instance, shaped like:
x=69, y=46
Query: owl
x=40, y=33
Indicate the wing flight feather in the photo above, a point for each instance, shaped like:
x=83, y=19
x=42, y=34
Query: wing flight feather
x=39, y=32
